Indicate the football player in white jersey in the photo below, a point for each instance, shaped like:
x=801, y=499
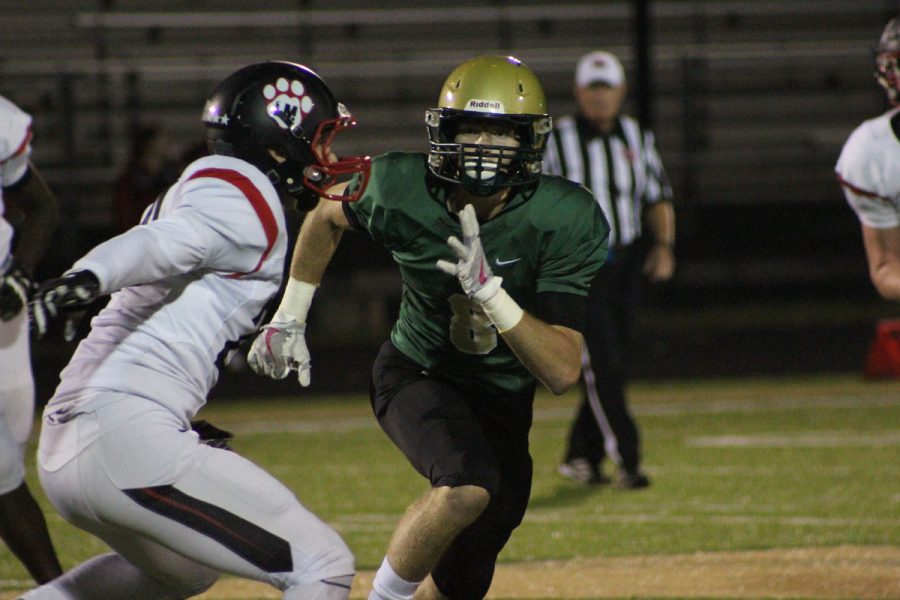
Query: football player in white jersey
x=22, y=525
x=869, y=172
x=117, y=455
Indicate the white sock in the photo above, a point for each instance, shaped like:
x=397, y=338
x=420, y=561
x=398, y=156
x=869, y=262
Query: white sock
x=387, y=585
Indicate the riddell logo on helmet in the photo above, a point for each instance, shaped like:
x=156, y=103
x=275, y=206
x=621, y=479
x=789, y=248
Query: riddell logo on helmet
x=288, y=103
x=490, y=106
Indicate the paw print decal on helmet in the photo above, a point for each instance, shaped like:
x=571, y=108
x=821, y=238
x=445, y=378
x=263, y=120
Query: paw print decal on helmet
x=288, y=103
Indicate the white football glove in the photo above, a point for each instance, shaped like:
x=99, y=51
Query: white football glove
x=280, y=347
x=472, y=268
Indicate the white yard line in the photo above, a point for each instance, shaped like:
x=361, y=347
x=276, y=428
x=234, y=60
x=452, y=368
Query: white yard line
x=818, y=439
x=556, y=413
x=381, y=521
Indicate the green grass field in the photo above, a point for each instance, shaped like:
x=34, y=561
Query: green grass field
x=737, y=465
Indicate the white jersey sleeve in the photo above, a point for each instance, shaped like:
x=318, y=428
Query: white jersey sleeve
x=868, y=170
x=188, y=284
x=213, y=218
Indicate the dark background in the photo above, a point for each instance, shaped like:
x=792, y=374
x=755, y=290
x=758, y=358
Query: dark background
x=750, y=102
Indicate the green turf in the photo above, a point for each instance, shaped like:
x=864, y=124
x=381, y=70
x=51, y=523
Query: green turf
x=736, y=465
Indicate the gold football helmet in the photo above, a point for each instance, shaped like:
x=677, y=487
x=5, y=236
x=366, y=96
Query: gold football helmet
x=497, y=93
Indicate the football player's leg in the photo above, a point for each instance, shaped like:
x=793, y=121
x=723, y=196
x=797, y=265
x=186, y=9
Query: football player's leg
x=22, y=524
x=466, y=569
x=16, y=402
x=207, y=506
x=435, y=428
x=24, y=529
x=112, y=577
x=225, y=502
x=141, y=567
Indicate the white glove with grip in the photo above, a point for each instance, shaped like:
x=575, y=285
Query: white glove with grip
x=281, y=345
x=472, y=268
x=279, y=348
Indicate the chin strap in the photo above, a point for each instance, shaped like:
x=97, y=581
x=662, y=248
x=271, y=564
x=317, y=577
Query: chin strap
x=284, y=178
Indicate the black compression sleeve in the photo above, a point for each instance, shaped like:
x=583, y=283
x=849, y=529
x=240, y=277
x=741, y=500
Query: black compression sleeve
x=567, y=310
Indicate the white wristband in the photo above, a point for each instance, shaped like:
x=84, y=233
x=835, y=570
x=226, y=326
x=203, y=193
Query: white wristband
x=503, y=311
x=296, y=301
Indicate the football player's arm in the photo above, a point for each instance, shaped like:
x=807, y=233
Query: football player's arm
x=551, y=352
x=140, y=255
x=317, y=242
x=176, y=244
x=210, y=229
x=38, y=204
x=281, y=346
x=883, y=255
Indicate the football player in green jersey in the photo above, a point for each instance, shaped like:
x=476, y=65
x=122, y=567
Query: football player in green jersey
x=496, y=260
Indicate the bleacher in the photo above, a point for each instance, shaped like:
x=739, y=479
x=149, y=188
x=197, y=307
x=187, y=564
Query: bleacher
x=751, y=99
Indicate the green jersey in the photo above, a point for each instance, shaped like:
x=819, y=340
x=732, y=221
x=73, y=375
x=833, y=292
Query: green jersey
x=552, y=239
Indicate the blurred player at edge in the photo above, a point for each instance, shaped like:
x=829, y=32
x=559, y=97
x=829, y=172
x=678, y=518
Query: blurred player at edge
x=117, y=454
x=869, y=172
x=496, y=259
x=22, y=525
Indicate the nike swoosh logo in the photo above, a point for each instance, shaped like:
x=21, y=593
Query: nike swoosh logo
x=501, y=263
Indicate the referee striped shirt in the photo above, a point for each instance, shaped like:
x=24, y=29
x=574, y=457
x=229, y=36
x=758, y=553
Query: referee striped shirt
x=622, y=169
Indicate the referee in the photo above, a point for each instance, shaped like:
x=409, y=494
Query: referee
x=613, y=156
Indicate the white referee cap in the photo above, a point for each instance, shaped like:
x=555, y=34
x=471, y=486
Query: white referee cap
x=599, y=66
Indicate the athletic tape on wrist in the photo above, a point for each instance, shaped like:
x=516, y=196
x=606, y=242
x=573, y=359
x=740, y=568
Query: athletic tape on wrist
x=296, y=301
x=503, y=311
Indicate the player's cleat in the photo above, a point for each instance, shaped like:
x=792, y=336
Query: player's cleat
x=582, y=471
x=632, y=480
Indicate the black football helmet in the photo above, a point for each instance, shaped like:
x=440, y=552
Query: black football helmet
x=486, y=91
x=287, y=108
x=887, y=69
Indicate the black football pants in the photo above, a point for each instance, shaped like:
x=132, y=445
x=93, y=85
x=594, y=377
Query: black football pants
x=457, y=435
